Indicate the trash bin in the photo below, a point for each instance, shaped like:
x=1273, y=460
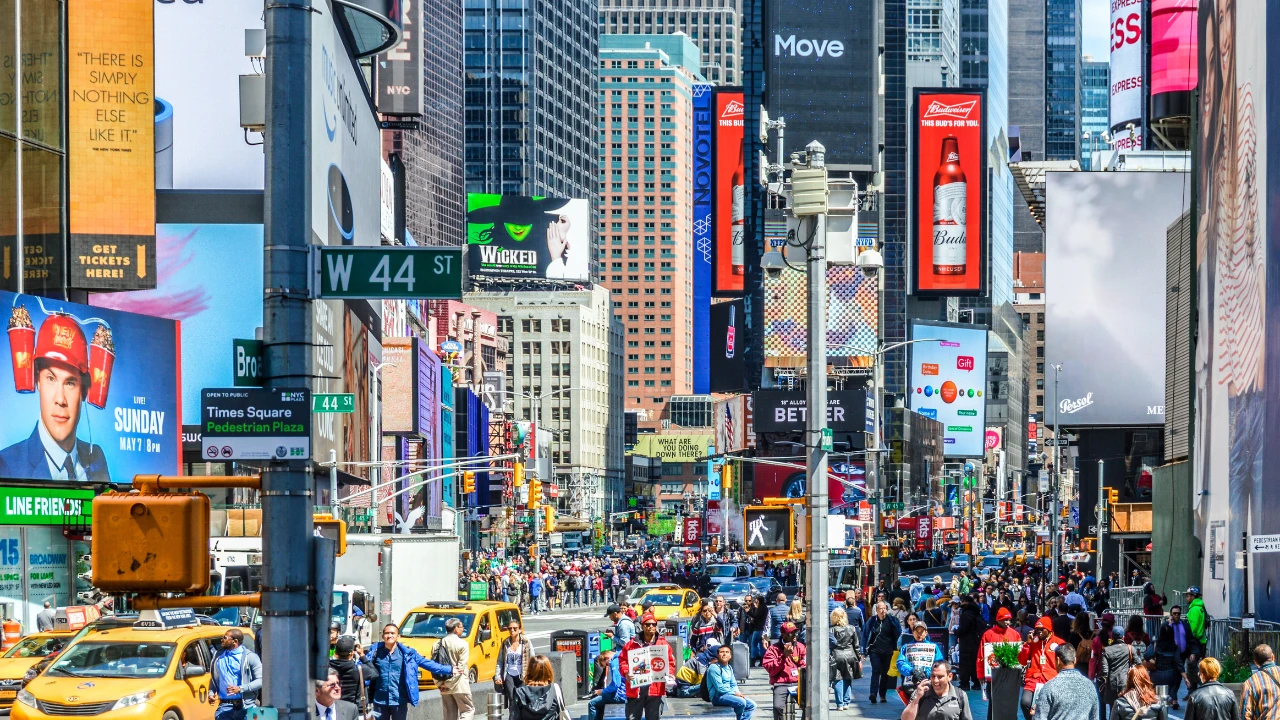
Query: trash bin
x=575, y=641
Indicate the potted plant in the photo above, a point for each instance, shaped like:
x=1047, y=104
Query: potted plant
x=1006, y=679
x=1235, y=671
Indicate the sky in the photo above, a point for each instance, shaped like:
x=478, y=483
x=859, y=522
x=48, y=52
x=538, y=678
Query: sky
x=1094, y=23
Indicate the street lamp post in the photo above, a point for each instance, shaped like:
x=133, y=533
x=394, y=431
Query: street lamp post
x=1055, y=521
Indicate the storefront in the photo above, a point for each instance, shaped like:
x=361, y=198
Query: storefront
x=44, y=549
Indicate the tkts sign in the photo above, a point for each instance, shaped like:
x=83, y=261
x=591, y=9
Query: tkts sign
x=691, y=533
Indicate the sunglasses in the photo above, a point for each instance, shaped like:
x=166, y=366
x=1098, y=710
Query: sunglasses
x=654, y=624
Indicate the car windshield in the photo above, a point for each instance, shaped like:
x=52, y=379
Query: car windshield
x=431, y=624
x=992, y=561
x=722, y=571
x=114, y=659
x=36, y=647
x=965, y=558
x=664, y=599
x=763, y=583
x=339, y=608
x=734, y=587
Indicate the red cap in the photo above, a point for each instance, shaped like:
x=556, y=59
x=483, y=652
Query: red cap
x=1046, y=623
x=61, y=340
x=787, y=627
x=648, y=617
x=1004, y=614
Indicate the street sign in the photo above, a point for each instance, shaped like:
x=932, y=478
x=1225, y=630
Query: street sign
x=451, y=346
x=895, y=506
x=431, y=273
x=333, y=403
x=826, y=439
x=1264, y=543
x=246, y=363
x=255, y=424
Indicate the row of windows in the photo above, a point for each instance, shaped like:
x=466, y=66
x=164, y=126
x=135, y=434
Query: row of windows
x=648, y=383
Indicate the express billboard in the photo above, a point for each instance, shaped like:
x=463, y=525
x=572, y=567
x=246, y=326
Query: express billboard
x=820, y=75
x=949, y=252
x=539, y=238
x=1105, y=240
x=728, y=226
x=90, y=394
x=702, y=262
x=1128, y=84
x=948, y=375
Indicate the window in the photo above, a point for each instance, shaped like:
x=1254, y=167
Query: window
x=672, y=469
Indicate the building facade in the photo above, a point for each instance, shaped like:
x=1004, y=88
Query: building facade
x=1029, y=301
x=646, y=209
x=933, y=41
x=1095, y=108
x=715, y=26
x=565, y=351
x=1062, y=79
x=530, y=96
x=1027, y=106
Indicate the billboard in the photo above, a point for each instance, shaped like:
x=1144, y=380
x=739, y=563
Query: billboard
x=537, y=238
x=1173, y=46
x=400, y=68
x=788, y=410
x=730, y=424
x=1128, y=84
x=675, y=448
x=214, y=301
x=409, y=380
x=853, y=305
x=346, y=144
x=1105, y=237
x=846, y=483
x=947, y=379
x=111, y=145
x=727, y=346
x=949, y=253
x=821, y=75
x=89, y=394
x=702, y=157
x=728, y=185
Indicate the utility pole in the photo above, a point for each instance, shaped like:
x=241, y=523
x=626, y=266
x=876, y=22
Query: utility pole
x=1055, y=521
x=287, y=486
x=1101, y=516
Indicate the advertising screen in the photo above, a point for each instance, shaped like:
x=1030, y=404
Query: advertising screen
x=729, y=220
x=111, y=146
x=728, y=335
x=702, y=158
x=1105, y=244
x=820, y=75
x=949, y=253
x=1128, y=86
x=1173, y=46
x=788, y=410
x=539, y=238
x=89, y=394
x=852, y=316
x=400, y=68
x=846, y=484
x=948, y=377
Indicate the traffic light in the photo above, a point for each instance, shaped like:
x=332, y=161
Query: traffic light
x=726, y=478
x=549, y=519
x=151, y=542
x=535, y=493
x=1113, y=495
x=517, y=474
x=328, y=526
x=468, y=482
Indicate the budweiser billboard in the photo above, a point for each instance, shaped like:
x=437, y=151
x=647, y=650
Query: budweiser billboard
x=728, y=186
x=949, y=254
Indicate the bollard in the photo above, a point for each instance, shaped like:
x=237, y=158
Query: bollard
x=495, y=705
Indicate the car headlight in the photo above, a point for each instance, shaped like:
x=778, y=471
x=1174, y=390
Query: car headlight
x=26, y=698
x=134, y=699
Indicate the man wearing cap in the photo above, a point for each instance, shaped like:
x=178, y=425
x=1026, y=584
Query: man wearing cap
x=783, y=661
x=645, y=700
x=1037, y=656
x=1198, y=622
x=52, y=451
x=623, y=629
x=1001, y=632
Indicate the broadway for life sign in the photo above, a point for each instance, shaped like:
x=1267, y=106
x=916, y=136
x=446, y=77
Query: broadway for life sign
x=648, y=665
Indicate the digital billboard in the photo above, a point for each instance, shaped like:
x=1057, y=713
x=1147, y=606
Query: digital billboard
x=948, y=377
x=399, y=75
x=846, y=483
x=949, y=253
x=728, y=225
x=821, y=76
x=702, y=171
x=1173, y=57
x=538, y=238
x=1128, y=84
x=89, y=394
x=852, y=317
x=727, y=346
x=111, y=146
x=1105, y=240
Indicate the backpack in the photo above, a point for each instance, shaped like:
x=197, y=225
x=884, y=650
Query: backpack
x=440, y=655
x=704, y=688
x=538, y=703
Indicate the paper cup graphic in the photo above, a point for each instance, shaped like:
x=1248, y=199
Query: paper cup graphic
x=102, y=356
x=22, y=343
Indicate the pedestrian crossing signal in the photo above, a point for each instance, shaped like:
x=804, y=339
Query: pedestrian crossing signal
x=769, y=529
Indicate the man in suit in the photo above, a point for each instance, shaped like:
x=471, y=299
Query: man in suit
x=329, y=702
x=52, y=451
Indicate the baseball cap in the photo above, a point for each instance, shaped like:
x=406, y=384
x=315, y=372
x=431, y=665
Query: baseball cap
x=1109, y=618
x=787, y=627
x=345, y=644
x=648, y=617
x=1004, y=614
x=1193, y=590
x=613, y=608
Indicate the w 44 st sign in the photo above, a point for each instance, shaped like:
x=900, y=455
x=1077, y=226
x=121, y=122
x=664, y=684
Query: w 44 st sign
x=386, y=273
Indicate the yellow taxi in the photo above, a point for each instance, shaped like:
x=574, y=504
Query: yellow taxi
x=669, y=604
x=484, y=627
x=1000, y=548
x=1019, y=556
x=20, y=658
x=155, y=669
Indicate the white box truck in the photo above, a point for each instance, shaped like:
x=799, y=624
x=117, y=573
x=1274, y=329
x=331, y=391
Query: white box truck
x=389, y=575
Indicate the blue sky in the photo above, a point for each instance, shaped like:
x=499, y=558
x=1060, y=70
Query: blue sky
x=1094, y=23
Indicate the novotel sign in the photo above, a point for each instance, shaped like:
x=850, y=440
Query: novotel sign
x=804, y=47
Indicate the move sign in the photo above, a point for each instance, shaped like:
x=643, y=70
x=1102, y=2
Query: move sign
x=1264, y=543
x=429, y=273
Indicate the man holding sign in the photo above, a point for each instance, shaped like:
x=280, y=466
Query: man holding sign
x=647, y=665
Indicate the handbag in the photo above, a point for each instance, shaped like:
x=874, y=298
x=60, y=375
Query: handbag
x=564, y=712
x=893, y=665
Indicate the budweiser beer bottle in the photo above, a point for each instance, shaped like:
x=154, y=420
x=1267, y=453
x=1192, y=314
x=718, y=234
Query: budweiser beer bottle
x=949, y=199
x=737, y=218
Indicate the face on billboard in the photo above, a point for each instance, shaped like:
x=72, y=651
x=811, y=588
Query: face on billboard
x=949, y=250
x=90, y=394
x=729, y=225
x=948, y=378
x=533, y=237
x=1127, y=83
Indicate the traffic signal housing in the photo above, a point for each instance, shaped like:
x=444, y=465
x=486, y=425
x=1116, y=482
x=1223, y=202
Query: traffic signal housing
x=517, y=474
x=148, y=543
x=333, y=528
x=535, y=493
x=468, y=482
x=549, y=519
x=1113, y=496
x=726, y=478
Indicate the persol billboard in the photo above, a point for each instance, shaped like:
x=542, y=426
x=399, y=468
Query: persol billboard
x=949, y=251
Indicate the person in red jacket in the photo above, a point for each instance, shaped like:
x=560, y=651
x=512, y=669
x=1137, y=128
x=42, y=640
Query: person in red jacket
x=645, y=700
x=999, y=633
x=783, y=661
x=1038, y=658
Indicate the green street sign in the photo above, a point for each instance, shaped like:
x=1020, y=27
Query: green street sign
x=873, y=501
x=387, y=273
x=826, y=439
x=894, y=506
x=246, y=362
x=333, y=403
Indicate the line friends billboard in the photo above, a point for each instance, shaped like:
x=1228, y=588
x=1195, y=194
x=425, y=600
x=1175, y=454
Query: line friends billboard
x=90, y=394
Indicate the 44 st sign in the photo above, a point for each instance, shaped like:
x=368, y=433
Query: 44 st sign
x=373, y=273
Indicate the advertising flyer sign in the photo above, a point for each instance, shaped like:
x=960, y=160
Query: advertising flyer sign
x=692, y=533
x=89, y=394
x=729, y=225
x=255, y=424
x=674, y=448
x=948, y=378
x=788, y=410
x=949, y=251
x=540, y=238
x=400, y=68
x=1128, y=86
x=649, y=665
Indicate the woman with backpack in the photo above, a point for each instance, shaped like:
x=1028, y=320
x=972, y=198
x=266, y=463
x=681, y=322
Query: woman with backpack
x=1164, y=661
x=846, y=657
x=514, y=658
x=540, y=697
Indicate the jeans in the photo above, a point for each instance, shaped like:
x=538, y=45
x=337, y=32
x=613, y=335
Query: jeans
x=1171, y=678
x=230, y=712
x=881, y=683
x=510, y=683
x=743, y=708
x=595, y=708
x=844, y=692
x=1025, y=702
x=534, y=605
x=648, y=707
x=842, y=671
x=391, y=712
x=757, y=645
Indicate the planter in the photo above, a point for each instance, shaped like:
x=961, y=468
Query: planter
x=1238, y=690
x=1005, y=692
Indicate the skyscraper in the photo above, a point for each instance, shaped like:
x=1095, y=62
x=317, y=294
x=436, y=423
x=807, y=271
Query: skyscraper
x=894, y=245
x=1062, y=79
x=715, y=26
x=646, y=209
x=933, y=41
x=1027, y=106
x=1095, y=107
x=530, y=74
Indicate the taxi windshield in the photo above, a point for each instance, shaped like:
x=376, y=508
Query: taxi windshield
x=431, y=624
x=114, y=659
x=36, y=647
x=664, y=599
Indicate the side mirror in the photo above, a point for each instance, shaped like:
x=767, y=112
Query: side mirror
x=484, y=636
x=193, y=671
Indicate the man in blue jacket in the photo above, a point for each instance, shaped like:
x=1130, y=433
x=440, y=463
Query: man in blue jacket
x=722, y=685
x=535, y=593
x=614, y=690
x=916, y=658
x=397, y=685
